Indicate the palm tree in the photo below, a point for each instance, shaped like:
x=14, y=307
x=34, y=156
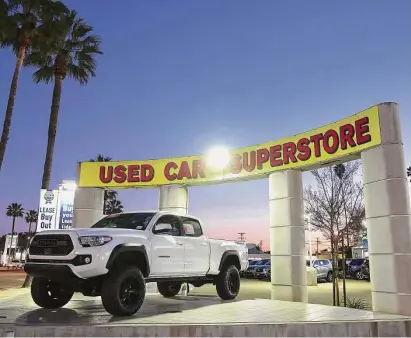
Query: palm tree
x=109, y=195
x=20, y=21
x=14, y=210
x=68, y=50
x=114, y=207
x=31, y=217
x=101, y=158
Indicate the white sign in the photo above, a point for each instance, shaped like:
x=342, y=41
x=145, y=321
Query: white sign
x=65, y=209
x=47, y=210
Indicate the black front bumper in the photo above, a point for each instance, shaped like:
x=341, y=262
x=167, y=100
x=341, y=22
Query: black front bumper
x=57, y=273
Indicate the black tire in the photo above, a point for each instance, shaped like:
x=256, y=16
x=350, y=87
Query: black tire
x=329, y=278
x=49, y=295
x=169, y=289
x=228, y=282
x=123, y=291
x=359, y=275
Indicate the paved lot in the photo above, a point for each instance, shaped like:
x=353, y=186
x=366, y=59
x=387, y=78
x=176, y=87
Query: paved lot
x=320, y=294
x=11, y=279
x=250, y=289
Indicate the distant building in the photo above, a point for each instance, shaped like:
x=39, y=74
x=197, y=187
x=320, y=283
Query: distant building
x=16, y=254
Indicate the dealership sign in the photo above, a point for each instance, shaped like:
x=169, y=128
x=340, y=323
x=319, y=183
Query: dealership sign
x=55, y=210
x=322, y=145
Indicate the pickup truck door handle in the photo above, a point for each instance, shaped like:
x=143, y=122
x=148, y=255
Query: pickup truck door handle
x=203, y=244
x=179, y=243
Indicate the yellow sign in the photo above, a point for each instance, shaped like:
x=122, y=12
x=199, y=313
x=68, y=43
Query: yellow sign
x=351, y=135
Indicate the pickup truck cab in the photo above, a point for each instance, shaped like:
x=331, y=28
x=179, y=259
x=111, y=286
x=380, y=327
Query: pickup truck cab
x=120, y=253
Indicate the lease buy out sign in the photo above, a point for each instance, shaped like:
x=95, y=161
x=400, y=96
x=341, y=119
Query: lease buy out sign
x=55, y=210
x=351, y=135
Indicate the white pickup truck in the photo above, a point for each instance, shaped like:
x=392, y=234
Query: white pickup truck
x=120, y=253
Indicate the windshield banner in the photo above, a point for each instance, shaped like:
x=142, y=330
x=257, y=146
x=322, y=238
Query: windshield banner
x=322, y=145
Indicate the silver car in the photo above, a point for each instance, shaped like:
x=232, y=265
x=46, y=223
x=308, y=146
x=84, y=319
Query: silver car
x=324, y=268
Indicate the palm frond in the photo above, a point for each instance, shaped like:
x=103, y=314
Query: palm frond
x=70, y=49
x=44, y=74
x=15, y=210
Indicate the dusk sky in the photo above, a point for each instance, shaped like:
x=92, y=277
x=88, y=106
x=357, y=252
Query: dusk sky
x=178, y=77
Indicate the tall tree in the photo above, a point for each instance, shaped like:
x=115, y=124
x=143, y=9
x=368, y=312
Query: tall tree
x=109, y=195
x=67, y=50
x=31, y=217
x=335, y=206
x=20, y=21
x=14, y=210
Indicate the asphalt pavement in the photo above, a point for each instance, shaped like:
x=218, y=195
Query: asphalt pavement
x=11, y=279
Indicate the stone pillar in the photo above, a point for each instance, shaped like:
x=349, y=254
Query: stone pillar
x=88, y=207
x=287, y=237
x=174, y=198
x=387, y=208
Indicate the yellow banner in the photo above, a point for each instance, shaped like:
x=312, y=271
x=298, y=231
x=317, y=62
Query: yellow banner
x=351, y=135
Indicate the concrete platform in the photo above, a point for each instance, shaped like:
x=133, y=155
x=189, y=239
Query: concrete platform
x=188, y=316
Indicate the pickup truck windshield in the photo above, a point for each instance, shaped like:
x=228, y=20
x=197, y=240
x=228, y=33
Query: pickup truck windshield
x=135, y=221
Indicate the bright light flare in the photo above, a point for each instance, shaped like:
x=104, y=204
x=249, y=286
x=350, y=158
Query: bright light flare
x=218, y=157
x=67, y=185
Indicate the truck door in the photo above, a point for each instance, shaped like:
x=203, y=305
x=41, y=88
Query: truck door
x=167, y=249
x=196, y=247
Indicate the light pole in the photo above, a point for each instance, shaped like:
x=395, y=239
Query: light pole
x=308, y=227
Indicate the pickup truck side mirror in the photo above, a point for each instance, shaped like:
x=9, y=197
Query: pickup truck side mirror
x=162, y=228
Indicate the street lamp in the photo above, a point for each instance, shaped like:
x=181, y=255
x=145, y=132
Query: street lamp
x=308, y=227
x=218, y=158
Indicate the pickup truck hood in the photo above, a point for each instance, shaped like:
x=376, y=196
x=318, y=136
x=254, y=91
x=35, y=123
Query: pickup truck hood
x=108, y=232
x=112, y=232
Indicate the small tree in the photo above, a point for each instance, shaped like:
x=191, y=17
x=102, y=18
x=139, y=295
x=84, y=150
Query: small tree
x=335, y=207
x=409, y=172
x=114, y=207
x=31, y=217
x=14, y=210
x=109, y=195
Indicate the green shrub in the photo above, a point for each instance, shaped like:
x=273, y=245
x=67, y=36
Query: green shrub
x=357, y=303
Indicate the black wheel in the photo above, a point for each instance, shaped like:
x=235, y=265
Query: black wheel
x=228, y=282
x=329, y=277
x=169, y=289
x=123, y=291
x=359, y=275
x=49, y=295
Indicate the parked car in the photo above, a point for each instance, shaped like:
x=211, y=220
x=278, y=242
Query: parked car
x=364, y=271
x=250, y=272
x=261, y=272
x=250, y=264
x=354, y=267
x=324, y=269
x=118, y=255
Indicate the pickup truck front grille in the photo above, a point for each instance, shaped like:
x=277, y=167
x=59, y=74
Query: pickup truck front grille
x=51, y=245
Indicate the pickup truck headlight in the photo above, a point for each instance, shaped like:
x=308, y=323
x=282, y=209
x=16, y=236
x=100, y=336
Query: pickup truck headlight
x=88, y=241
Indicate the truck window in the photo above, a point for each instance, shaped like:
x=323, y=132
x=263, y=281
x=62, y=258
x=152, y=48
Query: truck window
x=135, y=221
x=191, y=227
x=173, y=221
